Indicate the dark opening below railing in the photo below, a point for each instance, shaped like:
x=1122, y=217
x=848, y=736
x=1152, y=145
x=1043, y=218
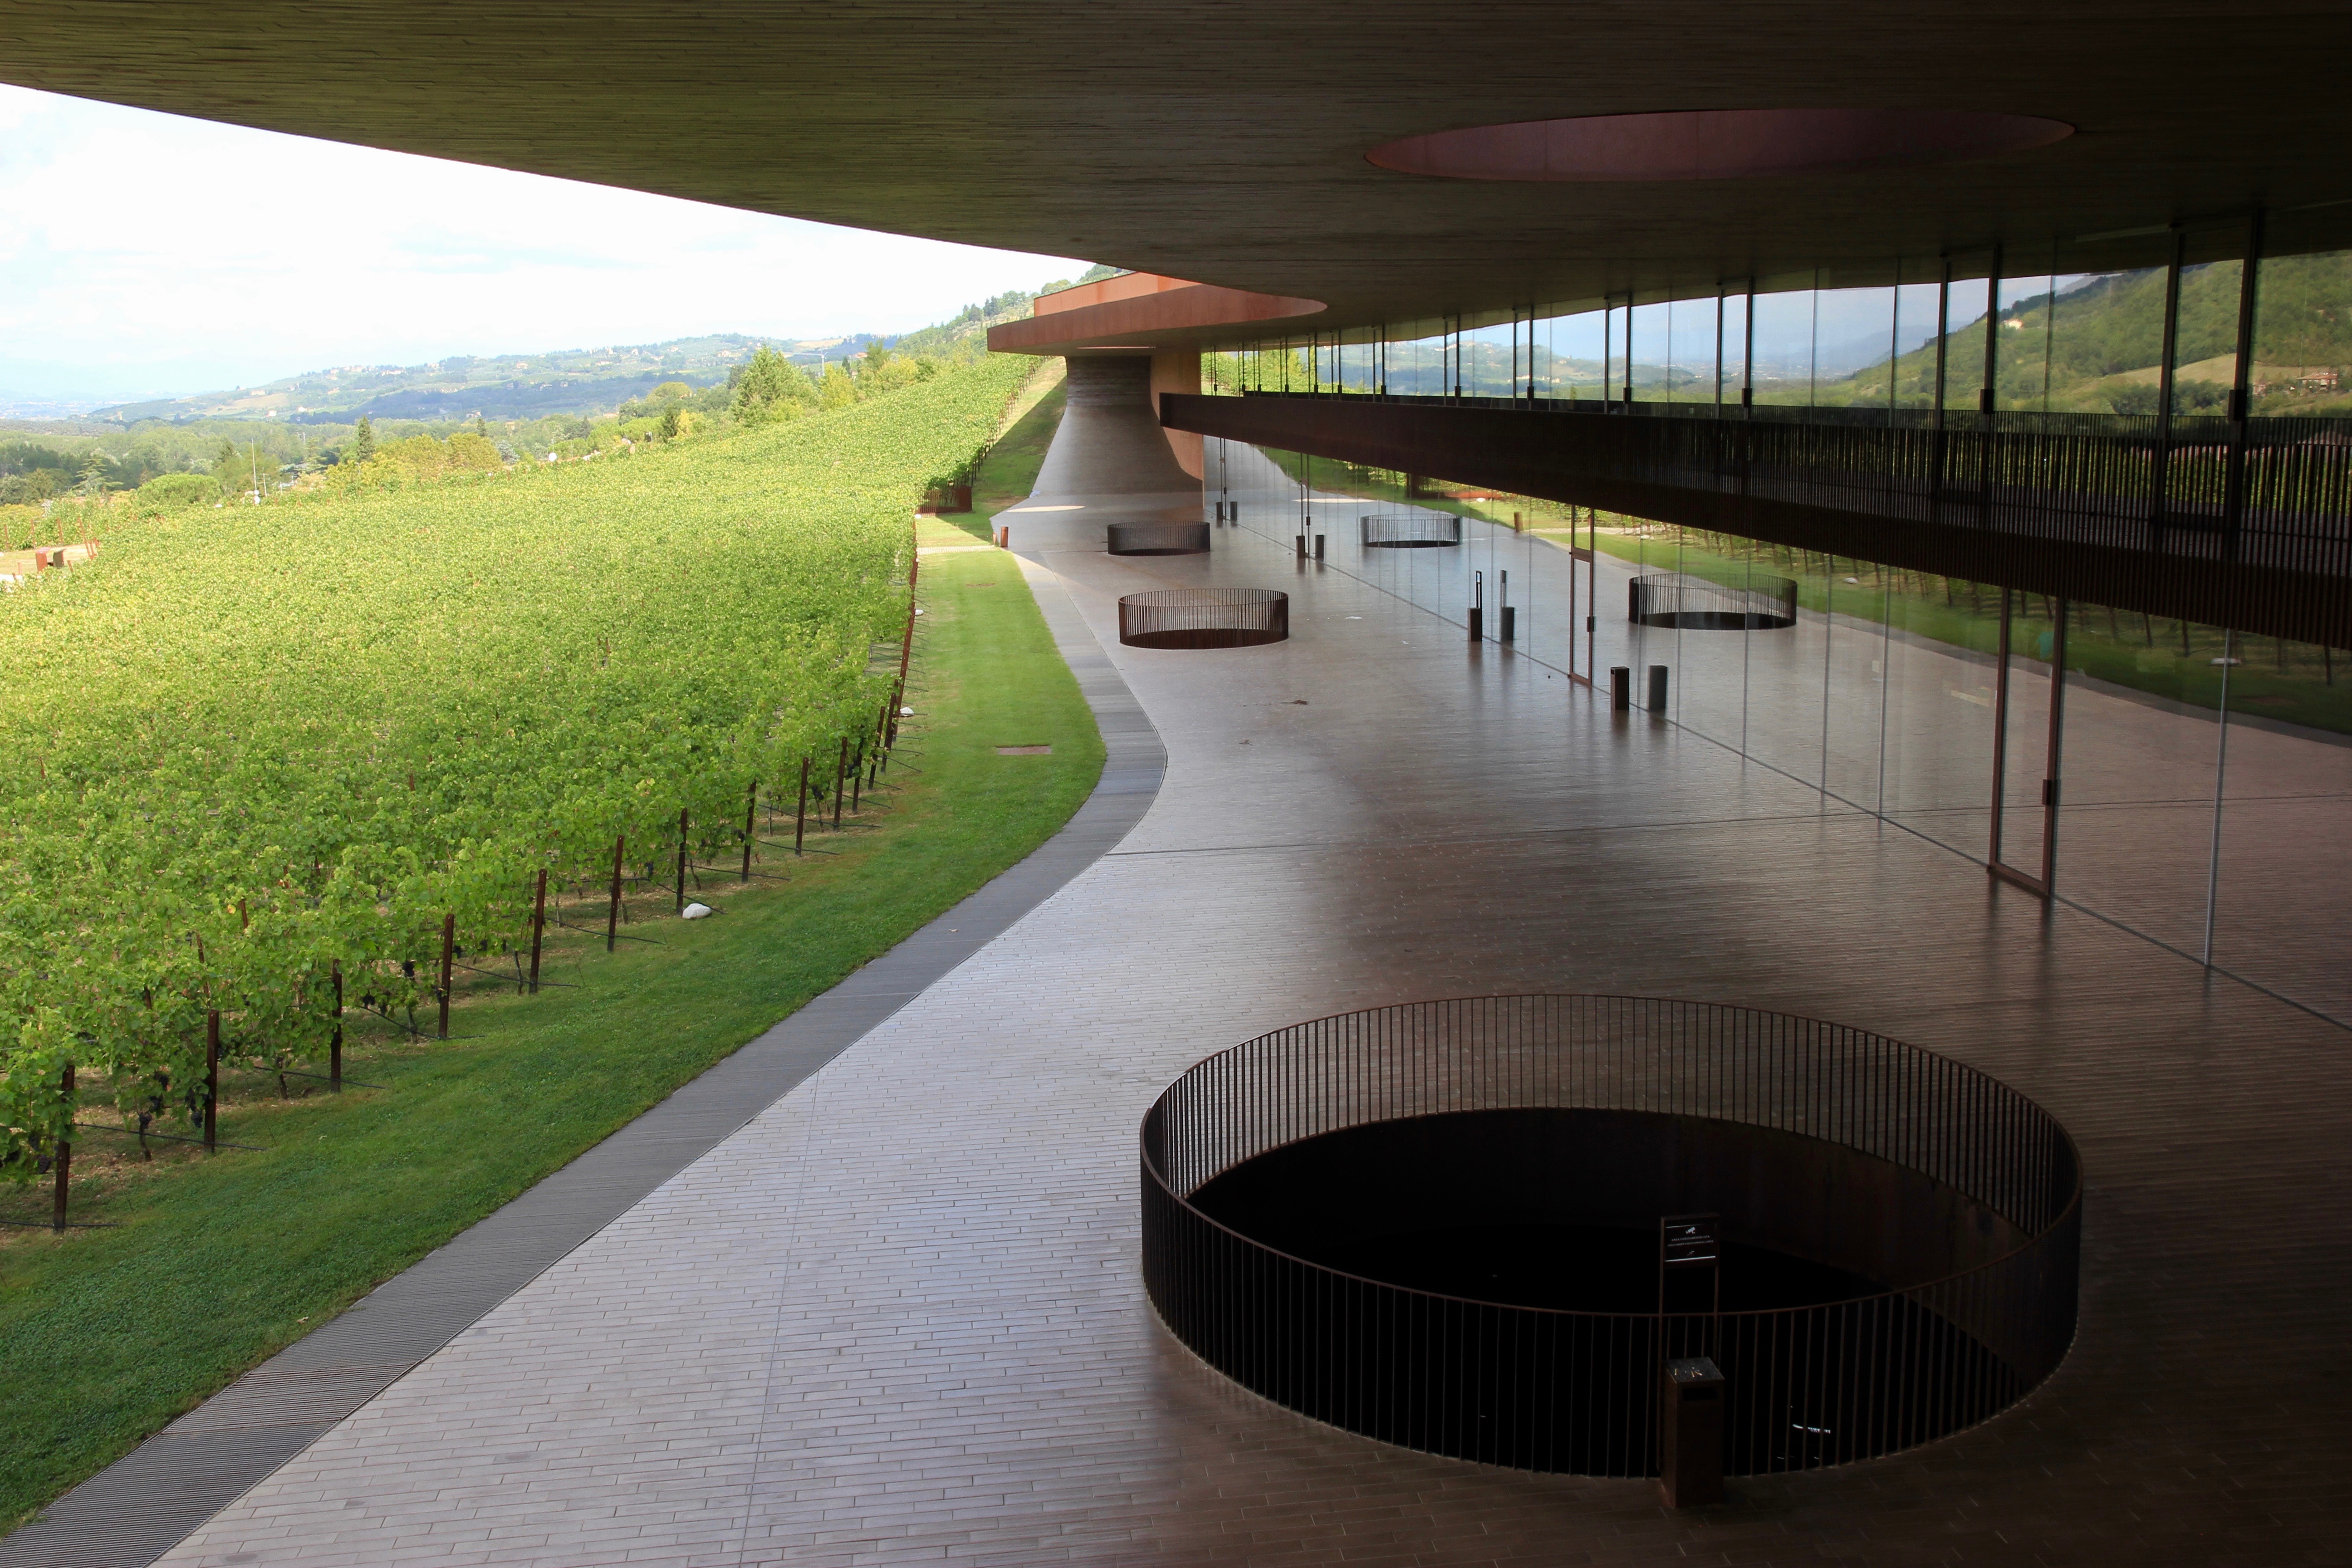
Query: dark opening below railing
x=1578, y=1391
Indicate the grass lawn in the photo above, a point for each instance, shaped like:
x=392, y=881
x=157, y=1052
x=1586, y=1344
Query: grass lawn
x=207, y=1265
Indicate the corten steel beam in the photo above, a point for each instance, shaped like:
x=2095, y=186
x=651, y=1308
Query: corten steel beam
x=1859, y=492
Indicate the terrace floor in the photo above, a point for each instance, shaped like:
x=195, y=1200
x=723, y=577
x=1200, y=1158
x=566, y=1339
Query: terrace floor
x=897, y=1317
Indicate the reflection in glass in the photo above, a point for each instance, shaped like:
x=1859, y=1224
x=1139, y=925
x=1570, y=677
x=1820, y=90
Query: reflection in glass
x=1964, y=343
x=1648, y=351
x=2303, y=336
x=2021, y=345
x=1853, y=690
x=2026, y=692
x=2105, y=333
x=1734, y=368
x=1854, y=339
x=1690, y=351
x=1918, y=307
x=1940, y=661
x=2136, y=805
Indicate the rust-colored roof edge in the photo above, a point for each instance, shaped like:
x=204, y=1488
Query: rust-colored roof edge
x=1169, y=318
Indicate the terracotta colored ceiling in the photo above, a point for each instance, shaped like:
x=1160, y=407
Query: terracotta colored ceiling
x=1224, y=141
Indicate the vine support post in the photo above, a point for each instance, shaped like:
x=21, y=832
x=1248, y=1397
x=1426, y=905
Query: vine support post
x=840, y=775
x=751, y=811
x=800, y=816
x=65, y=1156
x=681, y=860
x=612, y=914
x=538, y=927
x=857, y=776
x=212, y=1079
x=335, y=1041
x=448, y=956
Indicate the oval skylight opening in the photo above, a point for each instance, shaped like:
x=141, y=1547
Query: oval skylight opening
x=1716, y=143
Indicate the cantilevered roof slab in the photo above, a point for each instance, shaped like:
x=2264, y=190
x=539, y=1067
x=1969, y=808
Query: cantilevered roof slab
x=1227, y=144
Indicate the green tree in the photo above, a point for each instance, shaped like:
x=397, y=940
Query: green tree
x=363, y=441
x=771, y=387
x=836, y=390
x=94, y=473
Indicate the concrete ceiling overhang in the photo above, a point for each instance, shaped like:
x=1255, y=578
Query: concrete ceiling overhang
x=1226, y=143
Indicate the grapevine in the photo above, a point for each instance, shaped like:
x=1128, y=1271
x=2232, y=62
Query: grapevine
x=246, y=747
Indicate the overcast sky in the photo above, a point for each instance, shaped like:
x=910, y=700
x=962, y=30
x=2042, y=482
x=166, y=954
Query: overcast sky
x=144, y=255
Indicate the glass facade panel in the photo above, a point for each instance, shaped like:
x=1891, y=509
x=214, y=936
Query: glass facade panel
x=1853, y=688
x=1964, y=342
x=1647, y=348
x=1787, y=668
x=1690, y=351
x=1734, y=368
x=2284, y=831
x=1569, y=355
x=1784, y=342
x=1939, y=656
x=2023, y=711
x=2021, y=345
x=2136, y=804
x=2205, y=353
x=1854, y=339
x=1917, y=307
x=2303, y=337
x=2107, y=341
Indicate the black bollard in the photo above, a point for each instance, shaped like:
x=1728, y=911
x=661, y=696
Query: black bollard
x=1657, y=689
x=1621, y=688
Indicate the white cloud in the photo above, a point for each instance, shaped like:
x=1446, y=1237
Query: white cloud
x=141, y=254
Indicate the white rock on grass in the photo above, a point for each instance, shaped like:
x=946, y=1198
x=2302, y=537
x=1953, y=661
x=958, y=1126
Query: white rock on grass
x=694, y=911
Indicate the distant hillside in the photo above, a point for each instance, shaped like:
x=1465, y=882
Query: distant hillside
x=538, y=385
x=501, y=386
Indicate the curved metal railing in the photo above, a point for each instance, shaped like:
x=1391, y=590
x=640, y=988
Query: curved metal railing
x=1765, y=603
x=1408, y=529
x=1157, y=539
x=1205, y=617
x=1543, y=1389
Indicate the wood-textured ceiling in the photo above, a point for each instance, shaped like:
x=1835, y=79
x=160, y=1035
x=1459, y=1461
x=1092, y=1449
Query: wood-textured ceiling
x=1222, y=140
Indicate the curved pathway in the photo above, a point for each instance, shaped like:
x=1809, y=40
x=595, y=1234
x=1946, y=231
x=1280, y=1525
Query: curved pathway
x=895, y=1317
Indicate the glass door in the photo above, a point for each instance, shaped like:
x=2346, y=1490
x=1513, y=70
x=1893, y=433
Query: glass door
x=2028, y=721
x=1581, y=592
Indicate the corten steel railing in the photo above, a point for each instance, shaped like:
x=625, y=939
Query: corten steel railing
x=1567, y=1391
x=2146, y=497
x=1679, y=599
x=1408, y=530
x=1205, y=617
x=1157, y=539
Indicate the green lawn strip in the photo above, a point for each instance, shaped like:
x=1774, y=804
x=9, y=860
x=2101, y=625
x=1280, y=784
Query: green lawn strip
x=107, y=1334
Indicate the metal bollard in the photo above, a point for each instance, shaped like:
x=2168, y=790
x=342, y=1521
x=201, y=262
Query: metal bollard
x=1690, y=1433
x=1477, y=606
x=1657, y=689
x=1510, y=623
x=1319, y=547
x=1301, y=539
x=1621, y=688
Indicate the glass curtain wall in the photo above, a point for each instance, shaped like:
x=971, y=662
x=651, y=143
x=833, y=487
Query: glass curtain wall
x=2204, y=793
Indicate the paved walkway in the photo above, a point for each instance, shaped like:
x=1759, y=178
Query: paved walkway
x=895, y=1318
